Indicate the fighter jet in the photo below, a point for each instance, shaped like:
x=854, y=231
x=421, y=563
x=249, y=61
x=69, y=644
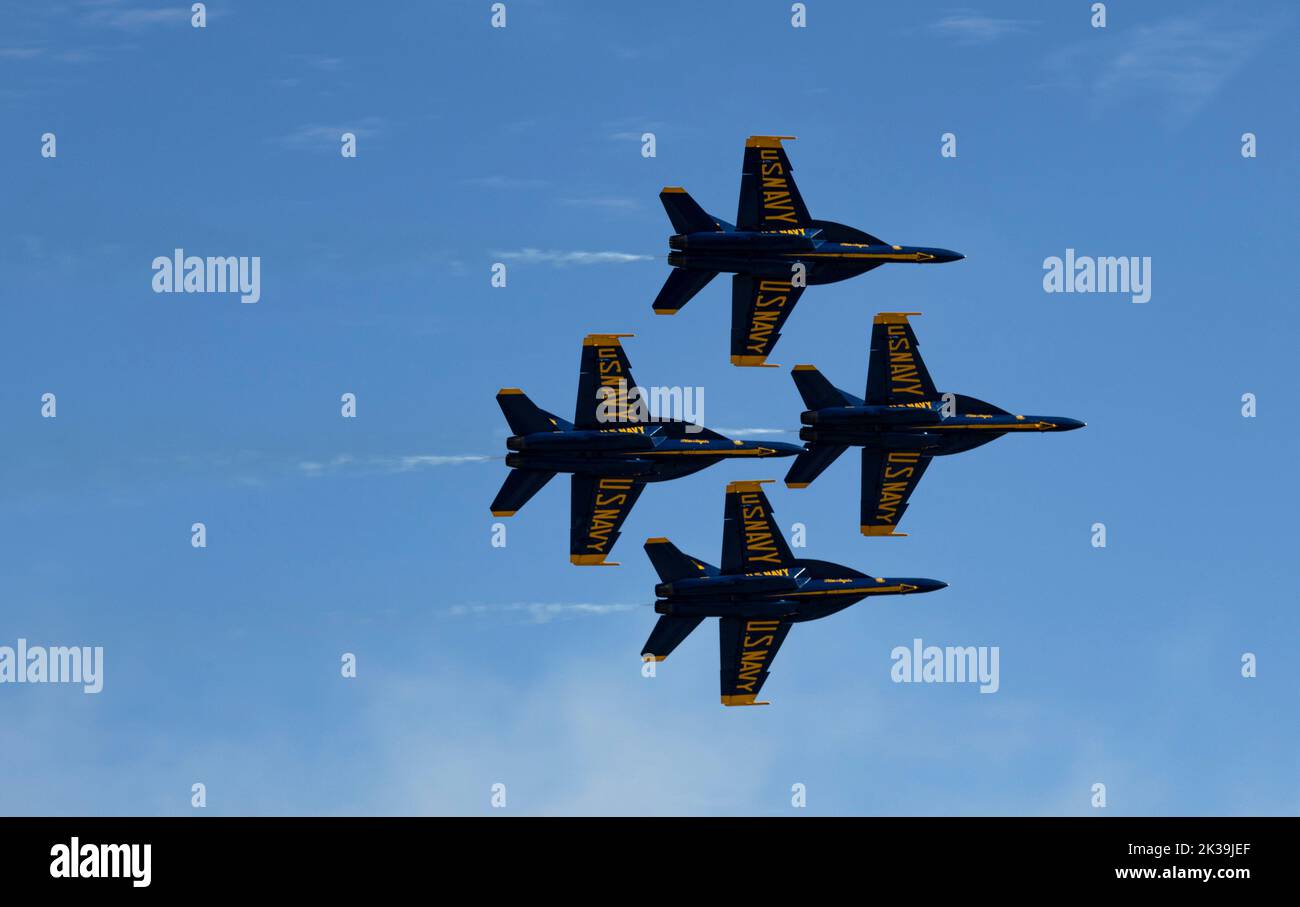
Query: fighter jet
x=901, y=424
x=612, y=448
x=760, y=591
x=772, y=238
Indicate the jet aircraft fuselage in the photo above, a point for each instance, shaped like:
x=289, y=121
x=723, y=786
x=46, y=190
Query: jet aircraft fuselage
x=805, y=590
x=651, y=453
x=918, y=426
x=774, y=254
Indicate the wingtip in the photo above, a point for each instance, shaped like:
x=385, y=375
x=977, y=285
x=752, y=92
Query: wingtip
x=743, y=699
x=752, y=362
x=604, y=339
x=747, y=485
x=893, y=317
x=882, y=532
x=591, y=560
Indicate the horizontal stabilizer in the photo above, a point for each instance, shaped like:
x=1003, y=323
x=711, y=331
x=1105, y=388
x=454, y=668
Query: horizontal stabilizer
x=518, y=487
x=680, y=287
x=685, y=213
x=817, y=392
x=523, y=415
x=672, y=565
x=811, y=463
x=668, y=635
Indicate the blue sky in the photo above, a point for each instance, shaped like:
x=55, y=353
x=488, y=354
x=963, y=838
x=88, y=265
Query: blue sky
x=1118, y=665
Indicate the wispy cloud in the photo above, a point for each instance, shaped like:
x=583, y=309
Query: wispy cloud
x=1176, y=65
x=544, y=612
x=326, y=138
x=322, y=62
x=561, y=259
x=42, y=54
x=752, y=432
x=968, y=27
x=497, y=181
x=115, y=14
x=20, y=53
x=607, y=202
x=409, y=463
x=631, y=129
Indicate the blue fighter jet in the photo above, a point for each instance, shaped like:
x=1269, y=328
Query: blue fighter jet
x=774, y=250
x=902, y=424
x=760, y=591
x=612, y=448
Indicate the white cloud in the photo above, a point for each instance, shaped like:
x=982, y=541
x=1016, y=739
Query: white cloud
x=386, y=463
x=560, y=259
x=113, y=14
x=1176, y=65
x=752, y=432
x=544, y=612
x=326, y=138
x=498, y=181
x=973, y=28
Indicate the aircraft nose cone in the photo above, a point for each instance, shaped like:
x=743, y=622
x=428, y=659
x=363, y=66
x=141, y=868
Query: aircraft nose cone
x=943, y=255
x=928, y=585
x=1069, y=424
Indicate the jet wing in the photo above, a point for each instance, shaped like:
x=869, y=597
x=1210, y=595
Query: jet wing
x=769, y=199
x=747, y=647
x=896, y=373
x=751, y=539
x=599, y=506
x=759, y=308
x=605, y=385
x=888, y=479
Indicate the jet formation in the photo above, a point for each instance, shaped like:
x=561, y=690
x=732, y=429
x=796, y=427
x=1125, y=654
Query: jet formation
x=614, y=446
